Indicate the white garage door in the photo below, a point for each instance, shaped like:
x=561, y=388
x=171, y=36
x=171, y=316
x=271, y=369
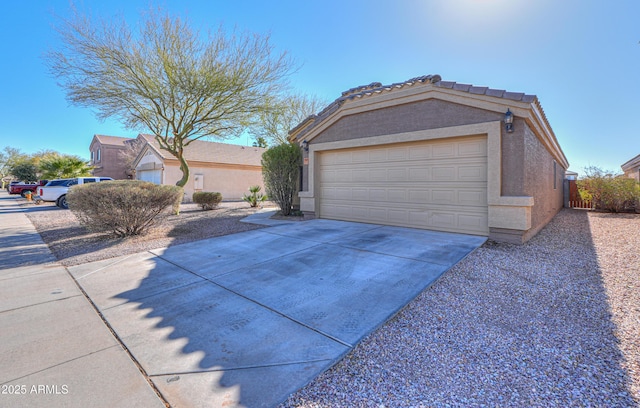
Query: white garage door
x=154, y=176
x=439, y=185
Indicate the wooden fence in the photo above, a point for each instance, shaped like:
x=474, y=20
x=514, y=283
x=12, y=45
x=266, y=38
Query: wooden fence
x=572, y=197
x=581, y=204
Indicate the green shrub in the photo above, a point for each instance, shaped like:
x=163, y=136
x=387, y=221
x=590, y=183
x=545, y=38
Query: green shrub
x=207, y=200
x=255, y=197
x=608, y=192
x=124, y=207
x=281, y=172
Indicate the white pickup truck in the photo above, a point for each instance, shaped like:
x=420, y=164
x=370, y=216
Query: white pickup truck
x=56, y=190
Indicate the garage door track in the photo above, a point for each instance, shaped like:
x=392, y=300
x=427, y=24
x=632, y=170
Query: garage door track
x=249, y=318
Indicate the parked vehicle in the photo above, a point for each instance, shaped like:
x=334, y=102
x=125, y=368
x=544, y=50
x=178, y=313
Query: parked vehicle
x=23, y=188
x=56, y=190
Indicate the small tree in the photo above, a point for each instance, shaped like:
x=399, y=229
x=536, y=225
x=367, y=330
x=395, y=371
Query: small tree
x=281, y=115
x=281, y=172
x=64, y=166
x=168, y=78
x=25, y=171
x=607, y=191
x=128, y=155
x=9, y=157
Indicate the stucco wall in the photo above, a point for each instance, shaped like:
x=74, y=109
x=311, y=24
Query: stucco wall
x=110, y=164
x=410, y=117
x=513, y=159
x=231, y=182
x=541, y=182
x=633, y=173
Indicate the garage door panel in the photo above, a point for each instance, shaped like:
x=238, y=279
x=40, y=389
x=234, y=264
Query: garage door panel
x=444, y=173
x=444, y=220
x=433, y=184
x=154, y=176
x=472, y=198
x=379, y=175
x=378, y=194
x=361, y=194
x=472, y=148
x=419, y=175
x=397, y=175
x=444, y=150
x=344, y=158
x=398, y=154
x=398, y=216
x=376, y=155
x=420, y=153
x=399, y=195
x=473, y=173
x=360, y=156
x=443, y=196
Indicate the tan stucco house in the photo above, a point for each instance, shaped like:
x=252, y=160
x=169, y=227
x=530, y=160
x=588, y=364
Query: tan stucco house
x=226, y=168
x=631, y=168
x=433, y=154
x=106, y=156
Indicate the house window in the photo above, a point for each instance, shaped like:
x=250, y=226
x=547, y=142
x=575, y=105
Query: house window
x=92, y=157
x=555, y=175
x=98, y=156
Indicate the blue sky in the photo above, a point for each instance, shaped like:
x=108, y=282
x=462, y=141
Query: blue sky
x=580, y=57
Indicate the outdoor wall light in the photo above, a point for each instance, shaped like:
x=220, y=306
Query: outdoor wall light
x=305, y=145
x=508, y=121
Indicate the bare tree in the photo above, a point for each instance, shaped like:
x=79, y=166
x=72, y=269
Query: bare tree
x=129, y=154
x=168, y=79
x=283, y=114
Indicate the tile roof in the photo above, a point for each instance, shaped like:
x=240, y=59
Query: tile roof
x=112, y=140
x=213, y=152
x=435, y=80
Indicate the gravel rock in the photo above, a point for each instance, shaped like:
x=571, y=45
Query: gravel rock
x=552, y=323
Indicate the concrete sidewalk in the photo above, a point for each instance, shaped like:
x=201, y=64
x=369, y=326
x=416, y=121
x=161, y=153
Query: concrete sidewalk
x=56, y=350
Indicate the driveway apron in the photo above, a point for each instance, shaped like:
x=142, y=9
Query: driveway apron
x=247, y=319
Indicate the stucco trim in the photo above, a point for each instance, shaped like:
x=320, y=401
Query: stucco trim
x=508, y=212
x=510, y=217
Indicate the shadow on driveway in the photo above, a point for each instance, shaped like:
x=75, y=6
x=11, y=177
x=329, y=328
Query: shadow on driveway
x=247, y=319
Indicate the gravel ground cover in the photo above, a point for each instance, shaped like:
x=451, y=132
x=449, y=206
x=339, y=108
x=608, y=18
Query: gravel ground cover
x=552, y=323
x=73, y=244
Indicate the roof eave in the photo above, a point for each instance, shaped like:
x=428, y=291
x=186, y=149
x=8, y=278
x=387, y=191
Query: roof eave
x=628, y=165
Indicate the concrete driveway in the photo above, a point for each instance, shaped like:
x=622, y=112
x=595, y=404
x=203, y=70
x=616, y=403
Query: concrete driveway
x=249, y=318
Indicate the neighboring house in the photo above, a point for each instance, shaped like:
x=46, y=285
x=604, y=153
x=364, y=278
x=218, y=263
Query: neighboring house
x=631, y=168
x=225, y=168
x=570, y=175
x=106, y=157
x=433, y=154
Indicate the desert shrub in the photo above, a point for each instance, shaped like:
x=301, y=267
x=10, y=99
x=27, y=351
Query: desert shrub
x=124, y=207
x=281, y=172
x=607, y=191
x=255, y=197
x=207, y=200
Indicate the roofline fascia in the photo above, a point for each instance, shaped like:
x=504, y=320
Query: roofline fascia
x=631, y=163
